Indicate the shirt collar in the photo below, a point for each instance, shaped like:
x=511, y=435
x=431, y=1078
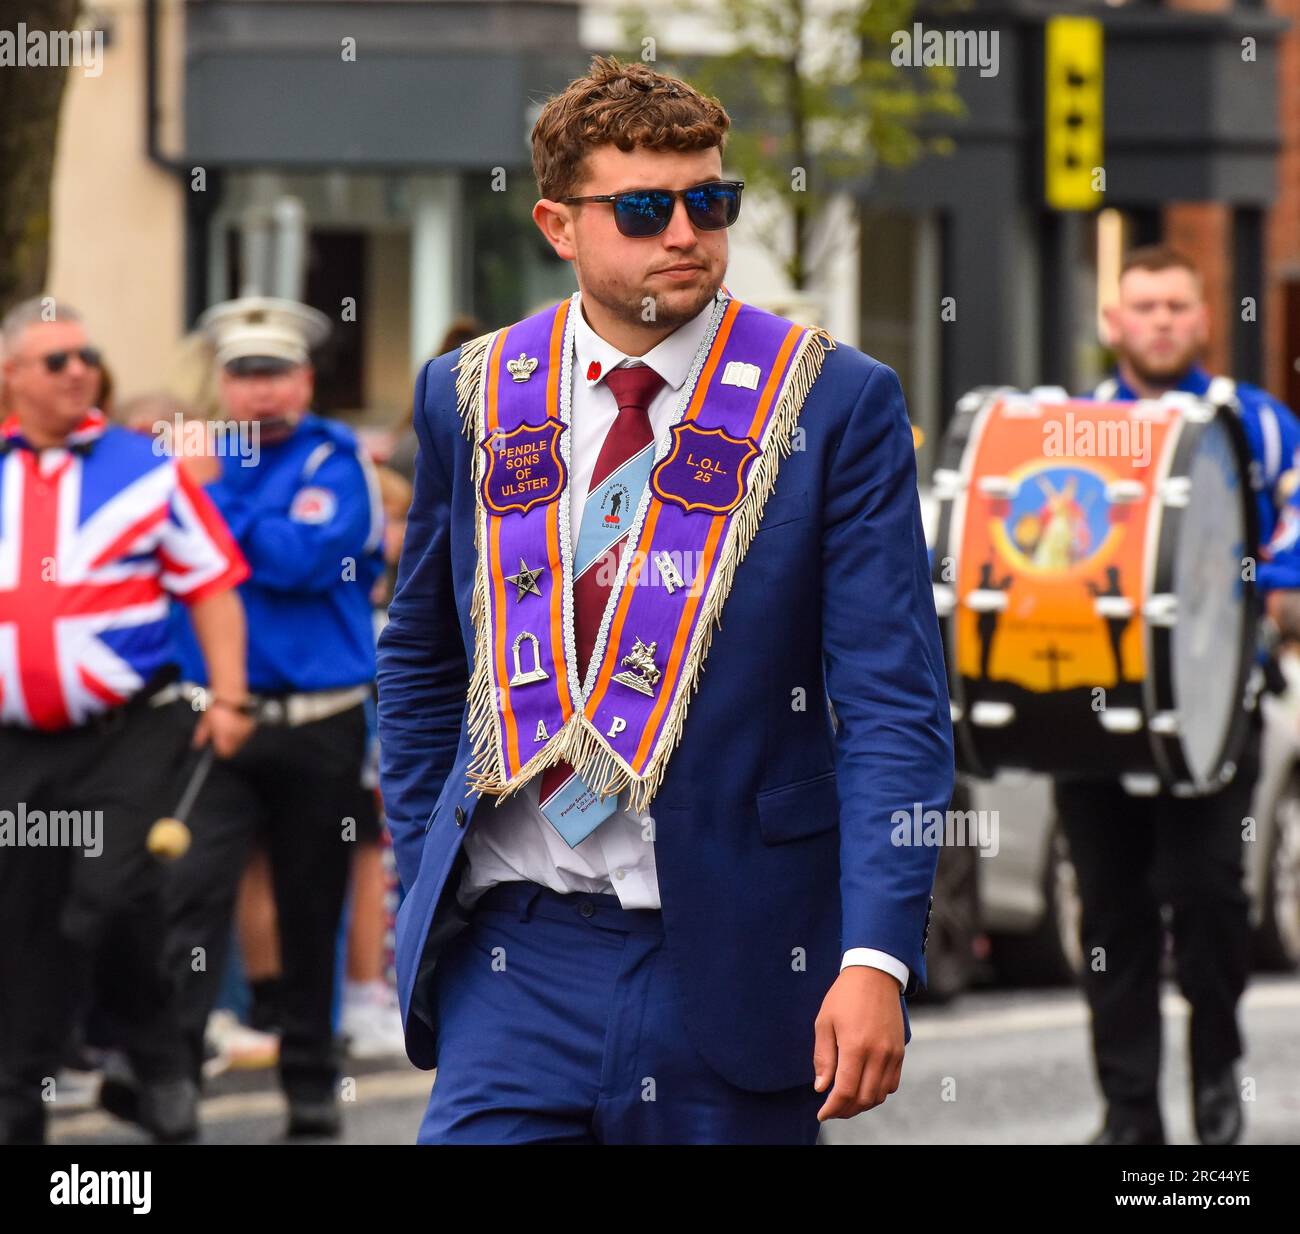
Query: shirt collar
x=671, y=359
x=92, y=426
x=1195, y=381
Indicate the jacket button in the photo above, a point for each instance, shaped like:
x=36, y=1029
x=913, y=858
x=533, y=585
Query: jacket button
x=588, y=909
x=460, y=816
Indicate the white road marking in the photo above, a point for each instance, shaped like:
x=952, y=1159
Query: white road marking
x=1075, y=1014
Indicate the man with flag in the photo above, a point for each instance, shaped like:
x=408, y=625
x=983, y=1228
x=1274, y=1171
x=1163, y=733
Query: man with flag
x=98, y=533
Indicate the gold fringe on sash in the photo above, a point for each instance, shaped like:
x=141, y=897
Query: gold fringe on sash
x=469, y=381
x=579, y=742
x=486, y=767
x=486, y=772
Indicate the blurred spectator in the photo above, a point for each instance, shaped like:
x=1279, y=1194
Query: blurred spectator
x=304, y=505
x=143, y=413
x=88, y=717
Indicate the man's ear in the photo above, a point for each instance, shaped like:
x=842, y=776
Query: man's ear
x=1202, y=324
x=1110, y=326
x=555, y=222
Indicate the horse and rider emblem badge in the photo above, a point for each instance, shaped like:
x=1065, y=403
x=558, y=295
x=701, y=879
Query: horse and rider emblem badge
x=642, y=674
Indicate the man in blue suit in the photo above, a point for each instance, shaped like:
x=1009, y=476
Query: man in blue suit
x=624, y=924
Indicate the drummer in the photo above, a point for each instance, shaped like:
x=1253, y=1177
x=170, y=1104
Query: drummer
x=1132, y=854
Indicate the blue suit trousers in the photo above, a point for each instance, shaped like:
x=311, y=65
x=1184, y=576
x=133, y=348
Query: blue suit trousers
x=559, y=1021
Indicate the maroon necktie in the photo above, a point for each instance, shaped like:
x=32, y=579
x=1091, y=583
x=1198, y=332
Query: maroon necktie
x=607, y=517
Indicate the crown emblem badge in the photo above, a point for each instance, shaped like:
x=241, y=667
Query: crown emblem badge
x=522, y=368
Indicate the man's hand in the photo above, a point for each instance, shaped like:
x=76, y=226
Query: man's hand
x=226, y=728
x=203, y=469
x=859, y=1042
x=1283, y=609
x=219, y=626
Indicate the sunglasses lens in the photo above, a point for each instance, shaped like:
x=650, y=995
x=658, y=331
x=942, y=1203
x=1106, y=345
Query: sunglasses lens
x=713, y=206
x=642, y=214
x=57, y=361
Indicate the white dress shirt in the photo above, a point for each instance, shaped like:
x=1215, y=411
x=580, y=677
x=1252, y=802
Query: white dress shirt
x=514, y=841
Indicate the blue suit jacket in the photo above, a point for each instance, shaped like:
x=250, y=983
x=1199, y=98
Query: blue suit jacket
x=773, y=823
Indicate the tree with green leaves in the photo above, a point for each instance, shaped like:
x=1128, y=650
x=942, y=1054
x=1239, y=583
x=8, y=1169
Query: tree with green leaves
x=30, y=98
x=819, y=103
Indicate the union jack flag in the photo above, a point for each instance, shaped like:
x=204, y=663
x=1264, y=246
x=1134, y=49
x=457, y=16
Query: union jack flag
x=96, y=536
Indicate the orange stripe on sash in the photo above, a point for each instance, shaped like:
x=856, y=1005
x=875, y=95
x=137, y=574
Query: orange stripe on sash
x=715, y=356
x=557, y=353
x=695, y=595
x=498, y=574
x=774, y=378
x=647, y=532
x=494, y=374
x=553, y=526
x=679, y=641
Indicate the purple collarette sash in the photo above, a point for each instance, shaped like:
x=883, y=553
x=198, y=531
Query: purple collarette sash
x=733, y=422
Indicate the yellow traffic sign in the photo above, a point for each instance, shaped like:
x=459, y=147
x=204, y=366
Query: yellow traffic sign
x=1075, y=179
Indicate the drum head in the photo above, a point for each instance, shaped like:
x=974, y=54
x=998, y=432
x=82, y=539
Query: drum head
x=1210, y=639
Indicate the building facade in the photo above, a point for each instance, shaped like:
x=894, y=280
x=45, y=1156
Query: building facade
x=372, y=157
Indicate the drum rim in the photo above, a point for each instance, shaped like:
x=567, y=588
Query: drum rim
x=1171, y=758
x=957, y=452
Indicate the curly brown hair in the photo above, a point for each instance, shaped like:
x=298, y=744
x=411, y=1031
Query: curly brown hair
x=627, y=105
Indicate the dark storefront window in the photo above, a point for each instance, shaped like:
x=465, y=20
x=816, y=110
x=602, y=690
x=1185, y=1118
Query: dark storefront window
x=514, y=270
x=336, y=269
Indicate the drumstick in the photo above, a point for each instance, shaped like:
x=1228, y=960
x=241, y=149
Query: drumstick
x=169, y=837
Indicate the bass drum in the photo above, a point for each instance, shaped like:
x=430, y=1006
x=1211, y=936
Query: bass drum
x=1093, y=575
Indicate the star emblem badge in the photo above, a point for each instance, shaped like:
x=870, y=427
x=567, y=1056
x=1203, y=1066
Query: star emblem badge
x=525, y=581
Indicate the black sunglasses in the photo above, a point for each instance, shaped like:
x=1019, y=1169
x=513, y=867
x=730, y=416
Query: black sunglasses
x=57, y=361
x=646, y=212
